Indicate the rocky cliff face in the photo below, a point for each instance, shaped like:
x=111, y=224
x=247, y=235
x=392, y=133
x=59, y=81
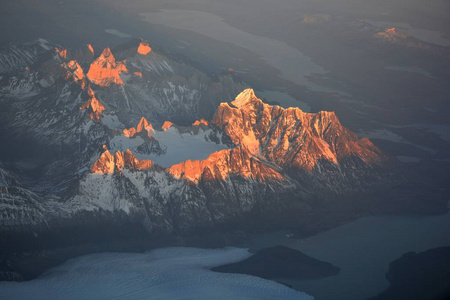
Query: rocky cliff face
x=221, y=165
x=110, y=164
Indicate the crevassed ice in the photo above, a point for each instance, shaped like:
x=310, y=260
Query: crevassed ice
x=167, y=273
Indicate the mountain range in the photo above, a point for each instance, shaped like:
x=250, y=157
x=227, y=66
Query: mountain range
x=138, y=142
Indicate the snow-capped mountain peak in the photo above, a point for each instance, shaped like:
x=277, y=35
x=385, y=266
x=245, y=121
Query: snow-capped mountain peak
x=244, y=98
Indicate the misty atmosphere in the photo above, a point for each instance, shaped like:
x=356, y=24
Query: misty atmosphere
x=225, y=149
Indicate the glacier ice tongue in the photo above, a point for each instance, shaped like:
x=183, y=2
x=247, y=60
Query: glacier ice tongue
x=166, y=273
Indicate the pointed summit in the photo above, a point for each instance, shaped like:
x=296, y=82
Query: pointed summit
x=244, y=97
x=105, y=70
x=107, y=52
x=105, y=164
x=142, y=125
x=107, y=56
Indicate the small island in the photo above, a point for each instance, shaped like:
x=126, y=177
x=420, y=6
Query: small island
x=281, y=262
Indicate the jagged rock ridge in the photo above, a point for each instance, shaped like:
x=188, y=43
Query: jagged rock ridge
x=271, y=140
x=109, y=164
x=290, y=137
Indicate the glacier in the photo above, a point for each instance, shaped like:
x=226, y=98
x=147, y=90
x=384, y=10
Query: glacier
x=165, y=273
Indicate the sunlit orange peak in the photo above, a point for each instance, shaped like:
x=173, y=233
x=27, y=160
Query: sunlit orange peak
x=105, y=71
x=142, y=125
x=109, y=164
x=144, y=48
x=199, y=122
x=244, y=97
x=166, y=125
x=74, y=70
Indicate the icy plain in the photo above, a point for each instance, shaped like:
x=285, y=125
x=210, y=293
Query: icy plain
x=166, y=273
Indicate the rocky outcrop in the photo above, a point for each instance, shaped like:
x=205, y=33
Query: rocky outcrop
x=142, y=126
x=106, y=164
x=74, y=71
x=220, y=165
x=110, y=164
x=166, y=125
x=105, y=70
x=91, y=49
x=200, y=122
x=63, y=53
x=93, y=106
x=133, y=163
x=144, y=48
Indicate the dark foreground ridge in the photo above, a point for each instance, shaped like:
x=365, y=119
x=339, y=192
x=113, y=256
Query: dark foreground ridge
x=281, y=262
x=424, y=276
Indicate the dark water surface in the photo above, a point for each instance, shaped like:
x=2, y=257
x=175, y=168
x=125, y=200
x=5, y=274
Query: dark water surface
x=363, y=250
